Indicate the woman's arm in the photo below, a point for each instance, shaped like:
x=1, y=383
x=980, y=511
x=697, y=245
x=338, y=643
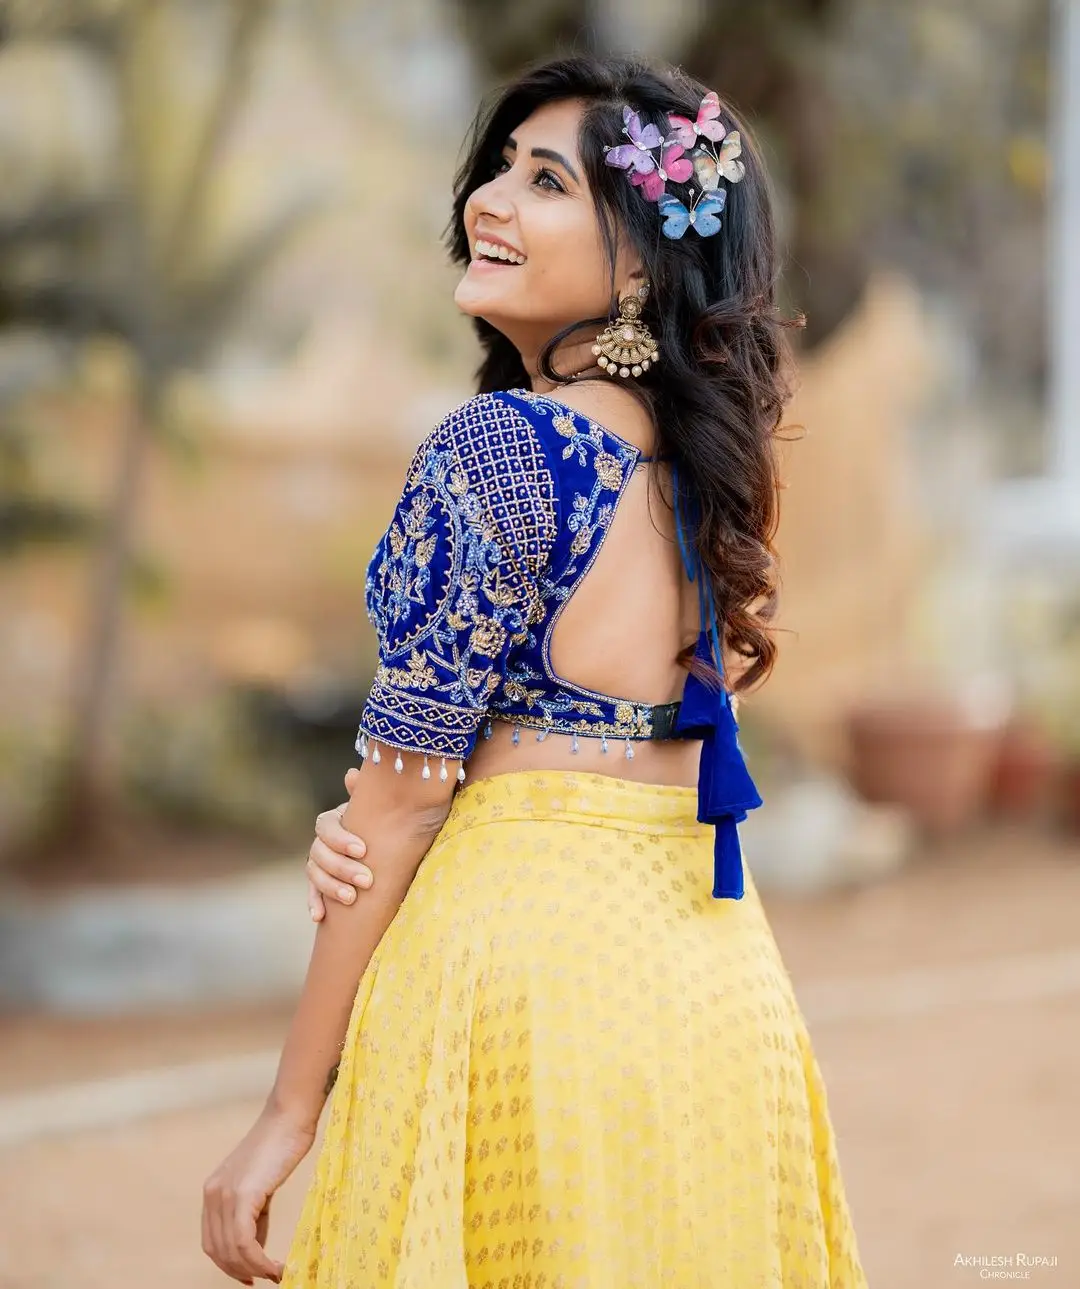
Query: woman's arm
x=401, y=814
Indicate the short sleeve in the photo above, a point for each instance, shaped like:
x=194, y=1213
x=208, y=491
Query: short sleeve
x=454, y=581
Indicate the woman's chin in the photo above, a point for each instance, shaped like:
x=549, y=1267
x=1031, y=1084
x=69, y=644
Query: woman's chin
x=476, y=298
x=468, y=304
x=486, y=286
x=478, y=303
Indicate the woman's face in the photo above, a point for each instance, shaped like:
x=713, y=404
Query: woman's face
x=538, y=205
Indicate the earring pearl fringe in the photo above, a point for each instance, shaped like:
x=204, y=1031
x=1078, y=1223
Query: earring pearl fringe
x=625, y=347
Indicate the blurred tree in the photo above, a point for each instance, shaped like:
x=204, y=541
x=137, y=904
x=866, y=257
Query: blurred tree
x=772, y=60
x=137, y=261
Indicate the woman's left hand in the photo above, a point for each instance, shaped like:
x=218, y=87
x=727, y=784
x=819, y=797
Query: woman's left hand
x=333, y=864
x=236, y=1197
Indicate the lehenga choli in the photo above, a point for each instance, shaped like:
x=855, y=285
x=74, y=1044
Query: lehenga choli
x=575, y=1059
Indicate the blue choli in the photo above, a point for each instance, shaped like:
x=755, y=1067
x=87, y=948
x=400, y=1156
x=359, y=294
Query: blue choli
x=505, y=507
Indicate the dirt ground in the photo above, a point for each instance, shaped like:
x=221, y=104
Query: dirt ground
x=945, y=1009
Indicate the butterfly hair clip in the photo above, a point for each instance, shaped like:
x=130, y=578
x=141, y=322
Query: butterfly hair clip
x=646, y=171
x=702, y=215
x=701, y=148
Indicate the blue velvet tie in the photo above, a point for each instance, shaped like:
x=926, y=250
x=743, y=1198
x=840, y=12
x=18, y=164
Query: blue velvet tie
x=725, y=789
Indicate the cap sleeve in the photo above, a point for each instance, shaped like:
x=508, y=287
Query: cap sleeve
x=454, y=581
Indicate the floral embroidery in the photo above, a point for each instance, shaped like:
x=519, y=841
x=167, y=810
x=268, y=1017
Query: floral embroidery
x=506, y=505
x=454, y=580
x=608, y=471
x=487, y=637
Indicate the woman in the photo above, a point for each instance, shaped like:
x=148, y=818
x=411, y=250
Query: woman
x=560, y=1045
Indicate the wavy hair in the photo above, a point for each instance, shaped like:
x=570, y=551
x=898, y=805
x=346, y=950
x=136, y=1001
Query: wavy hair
x=717, y=398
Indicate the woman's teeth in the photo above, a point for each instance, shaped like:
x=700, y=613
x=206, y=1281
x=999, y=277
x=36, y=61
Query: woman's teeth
x=493, y=251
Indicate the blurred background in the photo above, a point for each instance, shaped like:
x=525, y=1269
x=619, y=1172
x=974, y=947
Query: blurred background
x=225, y=322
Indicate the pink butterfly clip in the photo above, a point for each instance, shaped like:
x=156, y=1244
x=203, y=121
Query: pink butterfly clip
x=673, y=165
x=686, y=132
x=637, y=153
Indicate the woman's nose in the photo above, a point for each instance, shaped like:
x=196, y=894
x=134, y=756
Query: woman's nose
x=492, y=201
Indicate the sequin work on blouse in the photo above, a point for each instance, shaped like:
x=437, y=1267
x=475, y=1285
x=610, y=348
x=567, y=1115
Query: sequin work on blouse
x=505, y=507
x=454, y=584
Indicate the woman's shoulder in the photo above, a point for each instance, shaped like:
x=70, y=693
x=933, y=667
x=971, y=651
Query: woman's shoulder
x=525, y=416
x=497, y=438
x=598, y=403
x=493, y=460
x=495, y=427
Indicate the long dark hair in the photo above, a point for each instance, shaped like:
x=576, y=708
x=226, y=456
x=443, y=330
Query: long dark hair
x=717, y=396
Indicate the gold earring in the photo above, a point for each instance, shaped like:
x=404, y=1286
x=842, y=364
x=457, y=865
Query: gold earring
x=625, y=347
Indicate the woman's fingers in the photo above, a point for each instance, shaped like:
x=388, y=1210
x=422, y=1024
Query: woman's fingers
x=316, y=907
x=248, y=1255
x=330, y=829
x=237, y=1224
x=333, y=862
x=336, y=870
x=326, y=881
x=218, y=1203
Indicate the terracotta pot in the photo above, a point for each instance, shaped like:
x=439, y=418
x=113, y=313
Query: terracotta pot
x=1025, y=775
x=926, y=754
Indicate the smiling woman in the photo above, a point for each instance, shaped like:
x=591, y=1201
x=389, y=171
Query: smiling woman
x=558, y=1041
x=536, y=203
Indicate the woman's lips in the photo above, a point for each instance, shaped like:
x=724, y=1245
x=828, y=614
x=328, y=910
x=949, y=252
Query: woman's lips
x=483, y=263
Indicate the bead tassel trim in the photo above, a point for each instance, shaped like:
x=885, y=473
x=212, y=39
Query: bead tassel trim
x=369, y=747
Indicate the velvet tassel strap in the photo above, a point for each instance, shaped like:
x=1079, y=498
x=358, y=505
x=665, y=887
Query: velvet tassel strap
x=725, y=789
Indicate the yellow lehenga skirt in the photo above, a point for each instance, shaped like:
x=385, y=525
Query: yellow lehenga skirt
x=569, y=1067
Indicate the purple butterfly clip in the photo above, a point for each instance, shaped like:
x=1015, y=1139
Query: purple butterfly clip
x=637, y=154
x=701, y=148
x=673, y=165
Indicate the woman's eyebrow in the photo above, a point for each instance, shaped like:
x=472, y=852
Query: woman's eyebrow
x=549, y=154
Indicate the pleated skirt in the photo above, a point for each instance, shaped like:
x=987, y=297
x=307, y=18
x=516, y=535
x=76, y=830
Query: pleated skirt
x=569, y=1067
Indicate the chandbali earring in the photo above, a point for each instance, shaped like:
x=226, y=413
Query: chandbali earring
x=625, y=347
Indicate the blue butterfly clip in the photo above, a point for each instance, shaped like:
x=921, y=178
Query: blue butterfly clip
x=704, y=214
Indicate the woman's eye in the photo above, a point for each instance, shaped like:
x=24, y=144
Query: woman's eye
x=542, y=178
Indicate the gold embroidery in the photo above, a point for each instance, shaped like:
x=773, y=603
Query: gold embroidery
x=463, y=575
x=487, y=637
x=516, y=692
x=425, y=550
x=418, y=675
x=609, y=471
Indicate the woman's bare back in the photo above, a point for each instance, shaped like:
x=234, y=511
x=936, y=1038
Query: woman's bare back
x=621, y=630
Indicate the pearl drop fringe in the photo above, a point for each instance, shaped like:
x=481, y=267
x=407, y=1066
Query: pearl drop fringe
x=362, y=746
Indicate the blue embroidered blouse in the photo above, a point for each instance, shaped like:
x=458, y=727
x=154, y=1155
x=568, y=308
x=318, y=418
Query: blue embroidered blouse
x=505, y=506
